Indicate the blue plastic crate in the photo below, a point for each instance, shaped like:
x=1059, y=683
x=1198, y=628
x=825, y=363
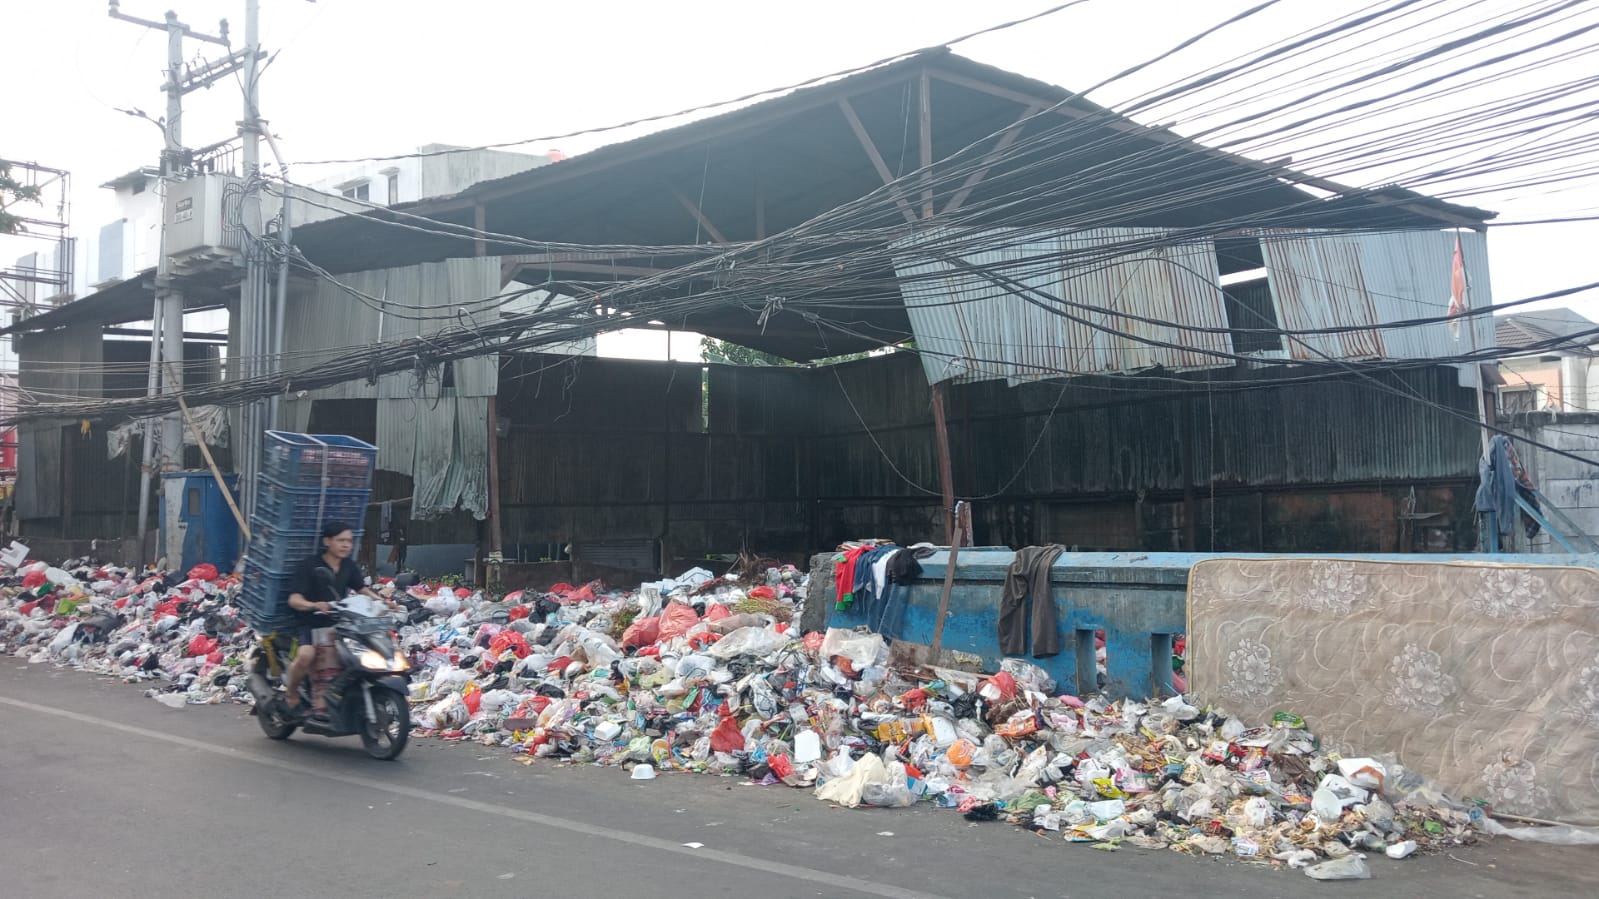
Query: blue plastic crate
x=264, y=598
x=318, y=460
x=278, y=549
x=304, y=508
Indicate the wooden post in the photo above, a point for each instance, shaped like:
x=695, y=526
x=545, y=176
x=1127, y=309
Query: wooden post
x=946, y=475
x=957, y=539
x=496, y=548
x=1186, y=438
x=244, y=526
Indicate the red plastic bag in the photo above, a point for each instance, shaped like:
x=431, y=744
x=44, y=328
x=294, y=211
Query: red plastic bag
x=717, y=612
x=763, y=592
x=27, y=608
x=513, y=598
x=462, y=593
x=33, y=579
x=727, y=737
x=202, y=645
x=814, y=641
x=214, y=657
x=510, y=641
x=703, y=639
x=562, y=588
x=677, y=619
x=559, y=664
x=204, y=571
x=781, y=766
x=473, y=697
x=517, y=613
x=584, y=595
x=642, y=632
x=170, y=607
x=999, y=688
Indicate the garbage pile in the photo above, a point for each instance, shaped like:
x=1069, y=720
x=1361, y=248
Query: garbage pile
x=175, y=629
x=710, y=675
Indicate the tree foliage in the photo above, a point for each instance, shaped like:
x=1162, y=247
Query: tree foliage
x=12, y=192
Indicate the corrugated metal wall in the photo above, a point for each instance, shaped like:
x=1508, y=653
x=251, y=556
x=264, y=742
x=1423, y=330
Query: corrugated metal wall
x=972, y=328
x=976, y=330
x=436, y=434
x=1333, y=279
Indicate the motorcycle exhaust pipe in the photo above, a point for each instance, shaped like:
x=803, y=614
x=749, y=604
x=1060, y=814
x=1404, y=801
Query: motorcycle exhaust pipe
x=260, y=689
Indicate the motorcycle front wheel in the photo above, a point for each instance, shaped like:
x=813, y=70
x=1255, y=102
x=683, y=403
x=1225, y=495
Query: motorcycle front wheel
x=385, y=738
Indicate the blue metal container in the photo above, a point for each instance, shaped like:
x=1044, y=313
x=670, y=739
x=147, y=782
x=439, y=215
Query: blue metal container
x=196, y=524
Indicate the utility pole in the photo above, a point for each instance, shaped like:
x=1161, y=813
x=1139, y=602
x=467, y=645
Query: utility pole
x=255, y=341
x=166, y=332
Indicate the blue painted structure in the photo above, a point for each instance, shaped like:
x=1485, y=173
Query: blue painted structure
x=209, y=532
x=1140, y=601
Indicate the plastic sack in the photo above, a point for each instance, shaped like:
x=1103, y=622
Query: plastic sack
x=202, y=645
x=676, y=620
x=473, y=697
x=727, y=737
x=510, y=641
x=1351, y=867
x=204, y=571
x=64, y=639
x=999, y=688
x=642, y=632
x=847, y=790
x=753, y=641
x=862, y=650
x=717, y=612
x=1028, y=676
x=1563, y=835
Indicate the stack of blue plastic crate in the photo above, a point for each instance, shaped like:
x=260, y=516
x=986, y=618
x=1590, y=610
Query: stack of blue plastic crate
x=306, y=481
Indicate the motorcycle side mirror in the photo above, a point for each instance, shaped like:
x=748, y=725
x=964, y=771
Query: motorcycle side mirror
x=405, y=581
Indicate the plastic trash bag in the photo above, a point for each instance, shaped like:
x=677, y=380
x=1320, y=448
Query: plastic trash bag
x=753, y=641
x=1349, y=868
x=847, y=790
x=1028, y=676
x=1563, y=835
x=862, y=650
x=677, y=619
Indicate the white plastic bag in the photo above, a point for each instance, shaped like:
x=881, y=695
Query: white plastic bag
x=1028, y=676
x=847, y=790
x=753, y=641
x=862, y=650
x=1563, y=835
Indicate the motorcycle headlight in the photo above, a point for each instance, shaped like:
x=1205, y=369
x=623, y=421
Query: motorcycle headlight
x=373, y=660
x=399, y=663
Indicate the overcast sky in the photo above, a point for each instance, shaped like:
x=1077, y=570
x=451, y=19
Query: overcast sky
x=371, y=77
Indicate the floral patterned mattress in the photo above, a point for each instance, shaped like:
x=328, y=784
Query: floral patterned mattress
x=1484, y=677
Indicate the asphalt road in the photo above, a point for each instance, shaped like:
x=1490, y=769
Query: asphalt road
x=104, y=792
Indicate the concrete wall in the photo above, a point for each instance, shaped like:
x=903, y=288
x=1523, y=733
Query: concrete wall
x=1571, y=486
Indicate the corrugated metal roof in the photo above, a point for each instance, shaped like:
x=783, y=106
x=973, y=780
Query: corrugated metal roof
x=971, y=329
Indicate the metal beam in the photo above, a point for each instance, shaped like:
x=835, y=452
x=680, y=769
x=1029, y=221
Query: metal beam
x=1160, y=135
x=926, y=117
x=876, y=157
x=989, y=159
x=699, y=216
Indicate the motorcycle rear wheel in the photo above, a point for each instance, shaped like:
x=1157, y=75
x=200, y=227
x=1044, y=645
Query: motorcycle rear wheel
x=274, y=722
x=385, y=738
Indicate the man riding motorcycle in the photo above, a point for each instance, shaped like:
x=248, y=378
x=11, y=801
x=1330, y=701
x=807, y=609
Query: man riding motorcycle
x=338, y=542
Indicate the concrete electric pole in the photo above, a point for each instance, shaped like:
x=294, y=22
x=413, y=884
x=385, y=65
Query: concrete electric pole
x=166, y=329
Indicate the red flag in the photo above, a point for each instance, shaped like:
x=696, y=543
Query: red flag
x=1458, y=288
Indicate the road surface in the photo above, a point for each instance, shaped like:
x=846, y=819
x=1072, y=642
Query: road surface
x=104, y=792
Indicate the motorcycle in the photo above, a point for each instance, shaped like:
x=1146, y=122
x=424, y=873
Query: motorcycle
x=369, y=696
